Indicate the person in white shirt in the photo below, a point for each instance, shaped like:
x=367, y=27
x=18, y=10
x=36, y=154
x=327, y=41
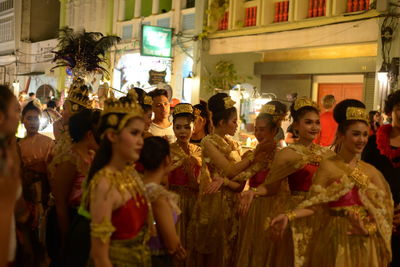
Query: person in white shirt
x=161, y=126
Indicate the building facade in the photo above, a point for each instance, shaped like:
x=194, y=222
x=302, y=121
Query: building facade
x=314, y=47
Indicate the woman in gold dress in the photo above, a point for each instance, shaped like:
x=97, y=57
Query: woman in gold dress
x=214, y=226
x=355, y=198
x=254, y=246
x=36, y=154
x=186, y=165
x=120, y=213
x=294, y=165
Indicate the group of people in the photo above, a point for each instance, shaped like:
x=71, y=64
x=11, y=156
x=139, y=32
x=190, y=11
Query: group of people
x=124, y=186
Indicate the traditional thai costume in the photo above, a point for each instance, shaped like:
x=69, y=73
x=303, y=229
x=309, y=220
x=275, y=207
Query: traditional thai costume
x=183, y=181
x=130, y=224
x=295, y=165
x=214, y=227
x=338, y=189
x=35, y=154
x=159, y=253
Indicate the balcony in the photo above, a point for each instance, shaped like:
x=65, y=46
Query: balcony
x=130, y=30
x=6, y=6
x=261, y=16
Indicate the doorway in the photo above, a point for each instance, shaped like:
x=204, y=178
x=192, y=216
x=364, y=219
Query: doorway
x=341, y=91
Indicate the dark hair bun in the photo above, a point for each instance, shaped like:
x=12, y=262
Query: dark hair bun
x=216, y=103
x=155, y=150
x=339, y=112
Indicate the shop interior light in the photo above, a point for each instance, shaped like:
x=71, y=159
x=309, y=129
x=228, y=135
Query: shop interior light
x=383, y=72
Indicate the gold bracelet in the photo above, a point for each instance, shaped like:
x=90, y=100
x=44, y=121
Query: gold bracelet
x=371, y=228
x=102, y=230
x=291, y=215
x=226, y=181
x=253, y=189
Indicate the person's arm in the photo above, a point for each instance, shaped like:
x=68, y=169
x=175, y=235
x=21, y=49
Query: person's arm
x=9, y=184
x=166, y=227
x=63, y=183
x=101, y=206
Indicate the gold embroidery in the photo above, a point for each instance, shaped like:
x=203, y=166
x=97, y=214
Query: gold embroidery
x=102, y=230
x=357, y=114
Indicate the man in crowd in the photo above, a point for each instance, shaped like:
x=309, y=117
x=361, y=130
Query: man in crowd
x=161, y=126
x=328, y=124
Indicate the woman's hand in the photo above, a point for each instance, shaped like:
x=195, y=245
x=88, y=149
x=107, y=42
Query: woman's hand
x=263, y=149
x=180, y=253
x=279, y=224
x=214, y=186
x=245, y=199
x=358, y=227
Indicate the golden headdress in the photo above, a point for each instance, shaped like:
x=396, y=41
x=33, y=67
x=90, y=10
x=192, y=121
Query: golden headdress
x=228, y=102
x=79, y=95
x=183, y=108
x=147, y=100
x=357, y=114
x=303, y=102
x=119, y=111
x=271, y=110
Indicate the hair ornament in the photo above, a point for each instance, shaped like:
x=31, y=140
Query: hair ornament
x=303, y=102
x=268, y=109
x=147, y=100
x=228, y=102
x=183, y=108
x=357, y=114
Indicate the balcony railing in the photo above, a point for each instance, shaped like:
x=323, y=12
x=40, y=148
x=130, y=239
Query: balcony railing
x=6, y=5
x=6, y=29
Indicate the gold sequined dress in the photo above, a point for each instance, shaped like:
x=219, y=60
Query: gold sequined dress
x=339, y=189
x=183, y=180
x=296, y=166
x=214, y=226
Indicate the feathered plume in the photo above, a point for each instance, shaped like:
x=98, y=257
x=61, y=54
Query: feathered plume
x=83, y=52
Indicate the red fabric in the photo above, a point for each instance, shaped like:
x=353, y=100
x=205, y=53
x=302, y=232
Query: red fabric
x=258, y=178
x=179, y=177
x=130, y=218
x=139, y=167
x=76, y=192
x=302, y=179
x=384, y=147
x=352, y=198
x=328, y=129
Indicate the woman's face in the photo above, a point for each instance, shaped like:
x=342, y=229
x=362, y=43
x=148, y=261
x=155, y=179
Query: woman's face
x=129, y=141
x=31, y=121
x=355, y=138
x=308, y=126
x=147, y=120
x=199, y=124
x=378, y=117
x=230, y=126
x=9, y=122
x=262, y=131
x=396, y=116
x=183, y=129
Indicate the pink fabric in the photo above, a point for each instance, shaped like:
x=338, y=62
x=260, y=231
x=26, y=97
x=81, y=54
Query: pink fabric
x=301, y=180
x=76, y=192
x=352, y=198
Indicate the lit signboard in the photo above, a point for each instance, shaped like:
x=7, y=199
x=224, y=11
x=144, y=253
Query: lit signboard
x=156, y=41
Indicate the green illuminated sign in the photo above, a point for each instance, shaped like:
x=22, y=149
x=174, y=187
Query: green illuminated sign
x=156, y=41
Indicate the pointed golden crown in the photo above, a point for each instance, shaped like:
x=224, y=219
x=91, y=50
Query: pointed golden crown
x=183, y=108
x=79, y=94
x=357, y=114
x=124, y=105
x=303, y=102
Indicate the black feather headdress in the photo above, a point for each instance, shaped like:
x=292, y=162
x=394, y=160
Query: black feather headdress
x=83, y=52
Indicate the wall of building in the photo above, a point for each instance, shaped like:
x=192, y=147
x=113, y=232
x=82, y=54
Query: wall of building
x=244, y=65
x=281, y=85
x=44, y=26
